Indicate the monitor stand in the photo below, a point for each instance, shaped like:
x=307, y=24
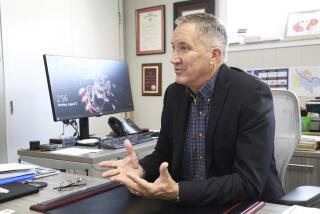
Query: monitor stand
x=84, y=128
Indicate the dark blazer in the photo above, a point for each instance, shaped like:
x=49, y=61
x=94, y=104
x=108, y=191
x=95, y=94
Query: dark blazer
x=239, y=147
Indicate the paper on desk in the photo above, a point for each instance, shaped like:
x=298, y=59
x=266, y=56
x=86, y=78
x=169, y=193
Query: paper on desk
x=12, y=174
x=310, y=138
x=295, y=209
x=75, y=151
x=10, y=167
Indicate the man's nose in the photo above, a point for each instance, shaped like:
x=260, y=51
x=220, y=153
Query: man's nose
x=175, y=59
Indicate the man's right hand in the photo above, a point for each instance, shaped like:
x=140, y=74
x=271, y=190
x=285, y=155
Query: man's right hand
x=120, y=168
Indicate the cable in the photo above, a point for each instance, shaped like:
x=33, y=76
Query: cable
x=73, y=124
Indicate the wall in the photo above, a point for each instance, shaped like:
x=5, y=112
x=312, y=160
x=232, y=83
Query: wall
x=3, y=145
x=301, y=55
x=148, y=109
x=30, y=28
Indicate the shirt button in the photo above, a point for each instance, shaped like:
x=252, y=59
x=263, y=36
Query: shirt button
x=200, y=157
x=208, y=100
x=200, y=113
x=200, y=134
x=201, y=178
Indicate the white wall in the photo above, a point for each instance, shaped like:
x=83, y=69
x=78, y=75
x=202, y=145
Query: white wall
x=3, y=145
x=147, y=108
x=301, y=55
x=31, y=28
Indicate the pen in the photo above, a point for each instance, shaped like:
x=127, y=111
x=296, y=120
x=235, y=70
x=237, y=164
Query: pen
x=254, y=208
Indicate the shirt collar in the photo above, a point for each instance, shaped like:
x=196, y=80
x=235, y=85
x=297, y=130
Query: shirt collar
x=206, y=90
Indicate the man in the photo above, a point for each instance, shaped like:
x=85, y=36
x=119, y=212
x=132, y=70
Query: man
x=217, y=128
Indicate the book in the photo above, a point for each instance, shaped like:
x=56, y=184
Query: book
x=10, y=167
x=21, y=178
x=308, y=143
x=44, y=172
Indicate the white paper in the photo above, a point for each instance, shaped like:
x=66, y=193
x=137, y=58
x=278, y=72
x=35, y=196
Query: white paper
x=15, y=167
x=295, y=209
x=75, y=151
x=150, y=31
x=310, y=138
x=12, y=174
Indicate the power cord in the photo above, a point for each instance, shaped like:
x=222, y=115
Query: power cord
x=73, y=123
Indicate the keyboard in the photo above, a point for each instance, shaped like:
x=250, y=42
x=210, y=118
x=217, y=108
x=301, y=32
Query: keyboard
x=117, y=142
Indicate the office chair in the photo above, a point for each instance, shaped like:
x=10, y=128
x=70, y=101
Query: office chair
x=287, y=136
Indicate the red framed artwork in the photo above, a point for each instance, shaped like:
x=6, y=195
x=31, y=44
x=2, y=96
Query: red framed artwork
x=306, y=23
x=151, y=79
x=150, y=30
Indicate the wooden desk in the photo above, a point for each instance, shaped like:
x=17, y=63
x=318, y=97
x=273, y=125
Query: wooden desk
x=88, y=162
x=21, y=205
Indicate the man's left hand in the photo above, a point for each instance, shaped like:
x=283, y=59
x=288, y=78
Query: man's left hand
x=162, y=188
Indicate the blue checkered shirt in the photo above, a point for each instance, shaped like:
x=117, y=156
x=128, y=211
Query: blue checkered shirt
x=194, y=167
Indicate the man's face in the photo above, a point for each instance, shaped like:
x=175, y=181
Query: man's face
x=190, y=57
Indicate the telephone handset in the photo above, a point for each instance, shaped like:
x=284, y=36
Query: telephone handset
x=123, y=127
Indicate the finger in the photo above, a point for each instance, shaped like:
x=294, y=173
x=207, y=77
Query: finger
x=164, y=173
x=110, y=163
x=125, y=181
x=128, y=147
x=138, y=182
x=131, y=190
x=134, y=192
x=111, y=172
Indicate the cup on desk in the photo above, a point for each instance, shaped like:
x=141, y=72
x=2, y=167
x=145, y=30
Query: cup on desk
x=305, y=123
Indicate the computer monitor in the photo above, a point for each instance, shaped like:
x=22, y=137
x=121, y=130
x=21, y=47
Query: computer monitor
x=80, y=88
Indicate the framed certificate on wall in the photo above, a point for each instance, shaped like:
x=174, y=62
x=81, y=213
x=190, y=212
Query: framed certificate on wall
x=151, y=79
x=150, y=30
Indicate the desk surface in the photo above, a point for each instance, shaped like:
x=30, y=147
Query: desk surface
x=21, y=205
x=89, y=158
x=88, y=162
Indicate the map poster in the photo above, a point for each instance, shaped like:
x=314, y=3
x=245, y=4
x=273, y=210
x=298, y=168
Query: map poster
x=305, y=81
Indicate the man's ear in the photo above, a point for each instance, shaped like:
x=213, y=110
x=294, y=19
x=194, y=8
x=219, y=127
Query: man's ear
x=216, y=55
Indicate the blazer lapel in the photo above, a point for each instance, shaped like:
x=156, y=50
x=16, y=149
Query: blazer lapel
x=180, y=125
x=219, y=96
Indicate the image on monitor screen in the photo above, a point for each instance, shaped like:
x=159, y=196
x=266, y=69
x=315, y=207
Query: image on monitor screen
x=84, y=87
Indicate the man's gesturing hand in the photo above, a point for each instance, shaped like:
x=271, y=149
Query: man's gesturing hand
x=163, y=188
x=120, y=168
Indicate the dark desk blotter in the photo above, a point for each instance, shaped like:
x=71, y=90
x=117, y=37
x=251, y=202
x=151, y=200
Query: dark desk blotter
x=16, y=190
x=121, y=201
x=73, y=197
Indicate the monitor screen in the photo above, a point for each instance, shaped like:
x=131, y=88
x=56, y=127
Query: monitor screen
x=84, y=87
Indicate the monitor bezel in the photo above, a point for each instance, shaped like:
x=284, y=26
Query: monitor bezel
x=83, y=120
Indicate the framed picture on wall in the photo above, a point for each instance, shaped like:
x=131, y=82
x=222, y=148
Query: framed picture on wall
x=151, y=79
x=190, y=7
x=306, y=23
x=150, y=30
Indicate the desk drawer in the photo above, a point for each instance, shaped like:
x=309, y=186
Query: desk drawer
x=302, y=171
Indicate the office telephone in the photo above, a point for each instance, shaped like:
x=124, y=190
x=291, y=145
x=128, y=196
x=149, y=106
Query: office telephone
x=123, y=127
